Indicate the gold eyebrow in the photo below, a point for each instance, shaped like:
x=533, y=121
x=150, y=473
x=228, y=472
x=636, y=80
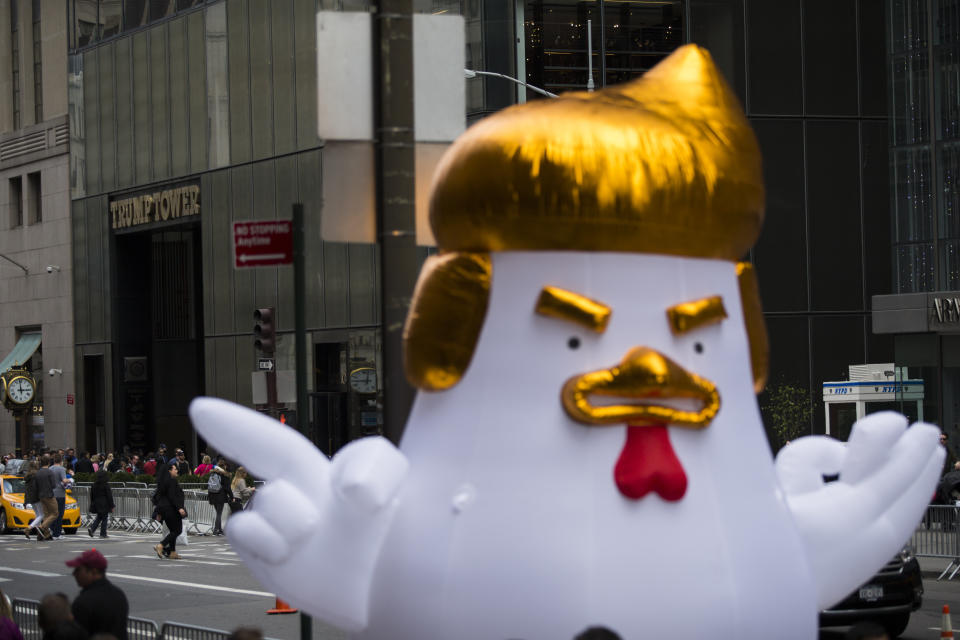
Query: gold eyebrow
x=567, y=305
x=694, y=314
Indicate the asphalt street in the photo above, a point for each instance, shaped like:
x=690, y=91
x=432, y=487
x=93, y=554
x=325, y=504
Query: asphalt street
x=211, y=587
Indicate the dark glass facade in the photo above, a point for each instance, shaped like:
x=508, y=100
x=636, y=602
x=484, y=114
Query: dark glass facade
x=923, y=65
x=627, y=39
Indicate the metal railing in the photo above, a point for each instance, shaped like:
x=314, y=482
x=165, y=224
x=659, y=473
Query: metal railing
x=938, y=536
x=140, y=629
x=26, y=618
x=134, y=510
x=177, y=631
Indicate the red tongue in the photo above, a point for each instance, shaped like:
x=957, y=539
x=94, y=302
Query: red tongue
x=648, y=463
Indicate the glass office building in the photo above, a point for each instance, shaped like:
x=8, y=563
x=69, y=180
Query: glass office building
x=921, y=309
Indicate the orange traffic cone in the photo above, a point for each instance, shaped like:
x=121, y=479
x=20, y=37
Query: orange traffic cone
x=283, y=607
x=946, y=625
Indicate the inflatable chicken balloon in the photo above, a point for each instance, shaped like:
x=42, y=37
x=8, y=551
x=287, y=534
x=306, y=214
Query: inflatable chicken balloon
x=586, y=449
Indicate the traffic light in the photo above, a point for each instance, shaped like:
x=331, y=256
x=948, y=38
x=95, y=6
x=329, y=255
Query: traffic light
x=264, y=332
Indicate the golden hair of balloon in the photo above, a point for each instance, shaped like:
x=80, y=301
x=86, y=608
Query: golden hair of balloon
x=665, y=164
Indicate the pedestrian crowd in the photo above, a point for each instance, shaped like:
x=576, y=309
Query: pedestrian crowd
x=49, y=474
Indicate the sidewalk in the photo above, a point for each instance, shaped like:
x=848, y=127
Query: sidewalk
x=933, y=567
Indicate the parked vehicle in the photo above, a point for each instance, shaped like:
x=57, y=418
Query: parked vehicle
x=16, y=516
x=888, y=598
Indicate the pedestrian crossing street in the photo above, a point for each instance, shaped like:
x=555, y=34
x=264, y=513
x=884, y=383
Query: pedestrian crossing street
x=201, y=550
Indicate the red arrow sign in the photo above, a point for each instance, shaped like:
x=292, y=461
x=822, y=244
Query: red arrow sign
x=262, y=243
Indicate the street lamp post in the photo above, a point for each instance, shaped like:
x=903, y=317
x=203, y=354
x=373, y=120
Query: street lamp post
x=470, y=73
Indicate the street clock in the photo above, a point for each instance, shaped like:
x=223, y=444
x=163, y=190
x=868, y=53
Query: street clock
x=364, y=380
x=19, y=389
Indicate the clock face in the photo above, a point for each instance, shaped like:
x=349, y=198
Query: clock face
x=364, y=380
x=20, y=390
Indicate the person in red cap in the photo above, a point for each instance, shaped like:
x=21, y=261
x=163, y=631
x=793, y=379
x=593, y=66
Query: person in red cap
x=100, y=607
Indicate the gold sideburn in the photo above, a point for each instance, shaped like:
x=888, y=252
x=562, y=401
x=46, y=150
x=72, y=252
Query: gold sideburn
x=756, y=327
x=446, y=314
x=567, y=305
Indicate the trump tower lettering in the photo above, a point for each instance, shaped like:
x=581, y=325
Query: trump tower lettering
x=586, y=445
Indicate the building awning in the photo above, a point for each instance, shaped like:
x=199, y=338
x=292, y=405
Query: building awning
x=22, y=351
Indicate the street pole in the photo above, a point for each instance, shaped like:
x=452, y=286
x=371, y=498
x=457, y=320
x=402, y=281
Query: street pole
x=471, y=73
x=300, y=349
x=589, y=55
x=396, y=182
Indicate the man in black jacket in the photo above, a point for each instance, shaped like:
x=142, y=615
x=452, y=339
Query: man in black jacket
x=84, y=464
x=101, y=607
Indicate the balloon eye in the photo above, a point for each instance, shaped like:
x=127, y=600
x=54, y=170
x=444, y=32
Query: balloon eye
x=573, y=342
x=698, y=347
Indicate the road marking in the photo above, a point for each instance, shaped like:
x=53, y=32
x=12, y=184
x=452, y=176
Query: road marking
x=191, y=560
x=191, y=585
x=31, y=572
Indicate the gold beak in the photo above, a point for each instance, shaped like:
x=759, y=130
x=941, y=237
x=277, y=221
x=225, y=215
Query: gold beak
x=643, y=374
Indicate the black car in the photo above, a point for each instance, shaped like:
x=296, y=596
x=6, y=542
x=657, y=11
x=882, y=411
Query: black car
x=888, y=598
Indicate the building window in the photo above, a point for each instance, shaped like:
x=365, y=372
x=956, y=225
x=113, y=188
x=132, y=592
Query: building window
x=16, y=202
x=628, y=39
x=34, y=201
x=15, y=63
x=37, y=65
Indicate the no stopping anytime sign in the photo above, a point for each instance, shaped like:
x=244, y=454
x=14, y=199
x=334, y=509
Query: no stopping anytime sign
x=262, y=243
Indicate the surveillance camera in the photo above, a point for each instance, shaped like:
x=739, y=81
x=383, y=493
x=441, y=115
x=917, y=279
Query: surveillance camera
x=52, y=372
x=50, y=270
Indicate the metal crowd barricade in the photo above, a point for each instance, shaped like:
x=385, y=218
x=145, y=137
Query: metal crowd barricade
x=177, y=631
x=938, y=536
x=82, y=496
x=145, y=521
x=127, y=511
x=141, y=629
x=200, y=512
x=25, y=617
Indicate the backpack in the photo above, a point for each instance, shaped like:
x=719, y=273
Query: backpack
x=30, y=493
x=214, y=484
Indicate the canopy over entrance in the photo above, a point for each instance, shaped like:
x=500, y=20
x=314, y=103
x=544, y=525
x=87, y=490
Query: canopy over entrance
x=22, y=351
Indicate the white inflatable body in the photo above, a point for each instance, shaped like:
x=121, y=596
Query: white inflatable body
x=508, y=523
x=544, y=545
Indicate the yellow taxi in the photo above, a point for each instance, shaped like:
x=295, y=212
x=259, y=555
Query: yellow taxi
x=16, y=516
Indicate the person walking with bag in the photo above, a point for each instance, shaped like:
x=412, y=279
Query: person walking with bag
x=59, y=494
x=218, y=493
x=31, y=497
x=101, y=503
x=241, y=492
x=169, y=500
x=46, y=482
